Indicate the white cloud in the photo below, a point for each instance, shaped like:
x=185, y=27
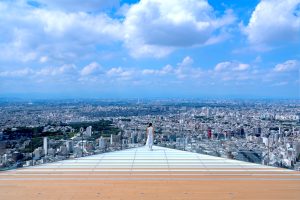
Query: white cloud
x=28, y=33
x=231, y=66
x=60, y=30
x=43, y=59
x=55, y=71
x=163, y=71
x=185, y=70
x=90, y=69
x=234, y=71
x=274, y=22
x=288, y=65
x=78, y=24
x=156, y=28
x=14, y=42
x=222, y=66
x=186, y=61
x=241, y=67
x=16, y=73
x=182, y=70
x=119, y=72
x=64, y=70
x=183, y=73
x=149, y=71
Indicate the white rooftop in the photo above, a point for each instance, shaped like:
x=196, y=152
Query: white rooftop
x=142, y=174
x=160, y=159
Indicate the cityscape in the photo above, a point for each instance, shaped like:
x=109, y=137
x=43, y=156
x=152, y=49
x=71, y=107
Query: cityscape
x=149, y=99
x=259, y=131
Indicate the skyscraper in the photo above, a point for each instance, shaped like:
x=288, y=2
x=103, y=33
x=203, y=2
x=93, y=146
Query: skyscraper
x=88, y=131
x=45, y=145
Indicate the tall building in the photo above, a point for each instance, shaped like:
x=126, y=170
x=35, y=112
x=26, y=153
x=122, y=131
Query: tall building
x=102, y=143
x=69, y=145
x=257, y=131
x=88, y=131
x=45, y=145
x=279, y=130
x=133, y=137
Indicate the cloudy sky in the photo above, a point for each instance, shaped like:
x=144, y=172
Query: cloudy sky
x=150, y=48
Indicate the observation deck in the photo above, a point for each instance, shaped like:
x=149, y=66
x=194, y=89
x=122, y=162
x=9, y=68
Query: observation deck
x=142, y=174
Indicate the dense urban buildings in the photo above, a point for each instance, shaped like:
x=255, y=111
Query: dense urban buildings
x=259, y=131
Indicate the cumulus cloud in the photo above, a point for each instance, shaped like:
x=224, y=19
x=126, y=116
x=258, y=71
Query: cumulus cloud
x=185, y=69
x=27, y=33
x=234, y=71
x=46, y=34
x=55, y=71
x=82, y=26
x=119, y=72
x=163, y=71
x=60, y=30
x=184, y=73
x=274, y=22
x=90, y=69
x=182, y=70
x=231, y=66
x=156, y=28
x=186, y=61
x=287, y=66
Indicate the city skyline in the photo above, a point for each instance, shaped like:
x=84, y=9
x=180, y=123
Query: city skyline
x=263, y=132
x=150, y=49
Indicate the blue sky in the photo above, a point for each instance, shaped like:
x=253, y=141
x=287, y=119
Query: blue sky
x=150, y=48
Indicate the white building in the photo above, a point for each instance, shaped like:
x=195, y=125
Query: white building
x=265, y=141
x=45, y=145
x=102, y=143
x=37, y=153
x=88, y=131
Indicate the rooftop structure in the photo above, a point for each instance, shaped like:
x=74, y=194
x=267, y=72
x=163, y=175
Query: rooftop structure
x=142, y=174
